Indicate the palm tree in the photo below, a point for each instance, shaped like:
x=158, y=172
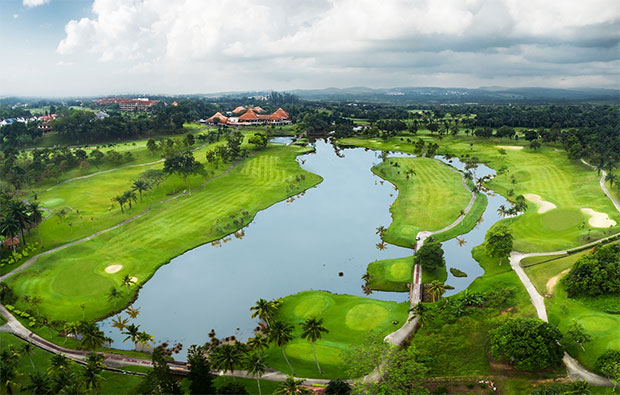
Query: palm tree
x=258, y=342
x=121, y=200
x=140, y=185
x=130, y=196
x=132, y=313
x=127, y=280
x=225, y=357
x=58, y=363
x=132, y=331
x=263, y=309
x=255, y=365
x=120, y=322
x=611, y=178
x=34, y=301
x=144, y=339
x=423, y=313
x=91, y=374
x=436, y=288
x=17, y=209
x=8, y=374
x=9, y=226
x=312, y=329
x=281, y=334
x=92, y=336
x=71, y=328
x=35, y=217
x=39, y=383
x=27, y=349
x=292, y=387
x=114, y=295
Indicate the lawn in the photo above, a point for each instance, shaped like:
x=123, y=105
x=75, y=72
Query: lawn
x=591, y=313
x=76, y=275
x=349, y=320
x=546, y=172
x=431, y=196
x=113, y=383
x=391, y=274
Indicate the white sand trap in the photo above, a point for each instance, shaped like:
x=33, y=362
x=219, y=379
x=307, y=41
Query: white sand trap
x=598, y=220
x=134, y=280
x=516, y=147
x=544, y=205
x=113, y=268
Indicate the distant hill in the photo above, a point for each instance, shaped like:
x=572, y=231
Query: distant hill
x=485, y=95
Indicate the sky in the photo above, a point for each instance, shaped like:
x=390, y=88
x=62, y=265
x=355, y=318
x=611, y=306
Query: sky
x=101, y=47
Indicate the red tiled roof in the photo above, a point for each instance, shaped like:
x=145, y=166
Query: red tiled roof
x=219, y=116
x=238, y=110
x=13, y=241
x=279, y=114
x=249, y=116
x=258, y=109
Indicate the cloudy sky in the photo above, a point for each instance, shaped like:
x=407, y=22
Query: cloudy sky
x=84, y=47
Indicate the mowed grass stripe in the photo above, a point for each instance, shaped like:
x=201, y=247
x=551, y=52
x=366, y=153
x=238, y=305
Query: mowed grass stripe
x=76, y=275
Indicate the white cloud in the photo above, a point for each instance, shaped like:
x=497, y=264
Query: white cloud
x=256, y=42
x=34, y=3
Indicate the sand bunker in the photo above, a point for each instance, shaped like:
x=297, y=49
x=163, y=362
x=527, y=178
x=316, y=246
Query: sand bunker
x=134, y=280
x=510, y=146
x=554, y=280
x=598, y=220
x=113, y=268
x=544, y=205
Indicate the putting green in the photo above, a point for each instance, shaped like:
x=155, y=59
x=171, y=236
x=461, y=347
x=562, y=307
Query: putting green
x=390, y=274
x=400, y=270
x=598, y=323
x=313, y=306
x=366, y=316
x=562, y=219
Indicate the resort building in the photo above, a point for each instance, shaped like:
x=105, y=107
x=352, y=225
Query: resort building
x=251, y=116
x=130, y=105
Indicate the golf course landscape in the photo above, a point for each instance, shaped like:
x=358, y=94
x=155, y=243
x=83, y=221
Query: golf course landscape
x=366, y=257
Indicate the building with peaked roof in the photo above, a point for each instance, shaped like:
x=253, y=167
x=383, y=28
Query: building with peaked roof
x=238, y=110
x=250, y=117
x=221, y=119
x=130, y=105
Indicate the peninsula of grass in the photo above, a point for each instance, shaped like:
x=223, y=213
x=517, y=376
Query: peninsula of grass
x=548, y=172
x=390, y=275
x=111, y=383
x=431, y=196
x=349, y=319
x=76, y=275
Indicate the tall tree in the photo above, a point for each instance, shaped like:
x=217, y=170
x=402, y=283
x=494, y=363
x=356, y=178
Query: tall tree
x=140, y=185
x=225, y=357
x=201, y=380
x=436, y=288
x=255, y=363
x=576, y=333
x=281, y=334
x=312, y=329
x=290, y=386
x=92, y=336
x=499, y=242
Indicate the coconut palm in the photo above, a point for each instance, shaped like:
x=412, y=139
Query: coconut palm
x=130, y=196
x=225, y=357
x=281, y=334
x=34, y=301
x=140, y=185
x=27, y=349
x=120, y=322
x=255, y=365
x=114, y=295
x=292, y=387
x=92, y=336
x=312, y=329
x=436, y=288
x=127, y=281
x=39, y=383
x=91, y=374
x=71, y=328
x=132, y=331
x=8, y=374
x=611, y=178
x=121, y=200
x=9, y=226
x=132, y=312
x=144, y=338
x=258, y=343
x=18, y=209
x=35, y=216
x=264, y=310
x=58, y=363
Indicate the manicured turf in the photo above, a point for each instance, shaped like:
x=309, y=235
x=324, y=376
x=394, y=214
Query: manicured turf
x=547, y=172
x=349, y=320
x=76, y=275
x=589, y=312
x=391, y=274
x=113, y=383
x=430, y=199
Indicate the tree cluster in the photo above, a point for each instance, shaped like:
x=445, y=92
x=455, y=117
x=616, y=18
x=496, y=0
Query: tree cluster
x=597, y=273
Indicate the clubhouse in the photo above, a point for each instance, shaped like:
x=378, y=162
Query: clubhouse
x=251, y=116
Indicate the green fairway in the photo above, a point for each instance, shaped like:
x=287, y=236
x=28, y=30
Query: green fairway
x=112, y=383
x=431, y=196
x=590, y=312
x=547, y=172
x=349, y=320
x=77, y=275
x=391, y=274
